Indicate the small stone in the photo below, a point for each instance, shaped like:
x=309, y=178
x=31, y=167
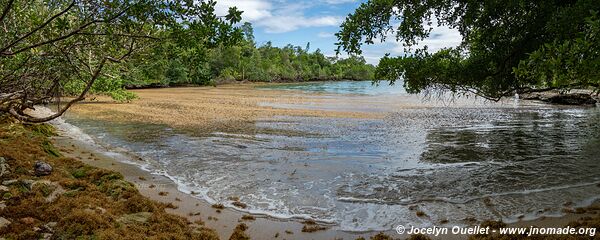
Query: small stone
x=42, y=168
x=9, y=182
x=2, y=205
x=101, y=210
x=26, y=182
x=49, y=227
x=4, y=222
x=46, y=236
x=56, y=193
x=4, y=189
x=4, y=167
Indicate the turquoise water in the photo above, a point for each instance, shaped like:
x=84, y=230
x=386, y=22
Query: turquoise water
x=344, y=87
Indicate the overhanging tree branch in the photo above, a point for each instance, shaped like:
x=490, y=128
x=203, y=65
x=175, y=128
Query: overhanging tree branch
x=6, y=10
x=16, y=41
x=79, y=98
x=63, y=37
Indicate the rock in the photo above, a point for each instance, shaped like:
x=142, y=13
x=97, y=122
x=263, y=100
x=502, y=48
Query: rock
x=572, y=99
x=42, y=168
x=51, y=190
x=140, y=217
x=563, y=99
x=4, y=222
x=4, y=167
x=2, y=205
x=4, y=189
x=55, y=194
x=101, y=210
x=9, y=182
x=25, y=182
x=49, y=227
x=46, y=236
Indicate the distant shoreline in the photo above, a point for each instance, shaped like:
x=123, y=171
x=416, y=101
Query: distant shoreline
x=235, y=82
x=573, y=97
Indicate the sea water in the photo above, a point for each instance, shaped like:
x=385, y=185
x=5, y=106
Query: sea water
x=459, y=162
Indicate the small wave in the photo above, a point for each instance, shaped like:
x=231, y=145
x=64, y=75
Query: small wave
x=458, y=201
x=65, y=128
x=530, y=191
x=124, y=155
x=202, y=193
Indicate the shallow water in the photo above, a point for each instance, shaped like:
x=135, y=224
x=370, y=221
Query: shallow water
x=474, y=160
x=343, y=87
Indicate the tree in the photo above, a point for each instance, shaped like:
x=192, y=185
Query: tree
x=246, y=61
x=508, y=46
x=50, y=48
x=248, y=31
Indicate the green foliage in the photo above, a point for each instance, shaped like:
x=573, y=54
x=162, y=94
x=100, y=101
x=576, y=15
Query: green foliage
x=507, y=47
x=122, y=95
x=174, y=63
x=566, y=64
x=290, y=63
x=45, y=130
x=50, y=149
x=75, y=47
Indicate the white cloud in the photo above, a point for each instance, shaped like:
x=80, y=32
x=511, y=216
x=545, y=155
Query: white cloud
x=283, y=23
x=253, y=9
x=439, y=38
x=339, y=1
x=325, y=35
x=278, y=18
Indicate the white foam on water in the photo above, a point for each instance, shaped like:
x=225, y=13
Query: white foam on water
x=123, y=155
x=65, y=128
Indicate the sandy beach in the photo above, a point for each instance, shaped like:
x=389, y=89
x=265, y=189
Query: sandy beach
x=232, y=108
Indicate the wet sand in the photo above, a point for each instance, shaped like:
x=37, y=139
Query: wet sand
x=229, y=109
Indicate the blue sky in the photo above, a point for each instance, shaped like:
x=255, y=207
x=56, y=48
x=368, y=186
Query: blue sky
x=298, y=22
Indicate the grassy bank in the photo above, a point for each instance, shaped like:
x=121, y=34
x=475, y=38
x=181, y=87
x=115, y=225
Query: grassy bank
x=75, y=200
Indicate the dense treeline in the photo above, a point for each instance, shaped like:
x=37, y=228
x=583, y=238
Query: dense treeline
x=53, y=49
x=169, y=65
x=290, y=63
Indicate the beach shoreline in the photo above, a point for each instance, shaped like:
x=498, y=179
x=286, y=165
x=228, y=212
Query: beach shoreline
x=162, y=189
x=241, y=111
